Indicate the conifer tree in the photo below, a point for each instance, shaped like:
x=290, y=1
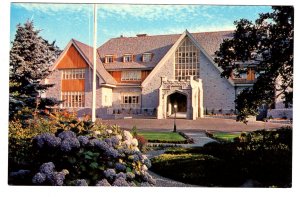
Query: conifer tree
x=30, y=59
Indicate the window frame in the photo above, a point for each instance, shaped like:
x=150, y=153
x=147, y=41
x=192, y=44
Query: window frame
x=125, y=76
x=150, y=55
x=73, y=73
x=107, y=57
x=73, y=99
x=129, y=55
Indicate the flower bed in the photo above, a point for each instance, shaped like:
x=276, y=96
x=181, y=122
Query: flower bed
x=101, y=156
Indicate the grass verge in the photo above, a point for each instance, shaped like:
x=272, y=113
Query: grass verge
x=162, y=137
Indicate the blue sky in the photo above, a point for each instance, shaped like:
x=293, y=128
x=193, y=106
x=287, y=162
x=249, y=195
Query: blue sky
x=61, y=22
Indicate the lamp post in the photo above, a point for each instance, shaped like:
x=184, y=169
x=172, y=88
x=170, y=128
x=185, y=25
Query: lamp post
x=175, y=109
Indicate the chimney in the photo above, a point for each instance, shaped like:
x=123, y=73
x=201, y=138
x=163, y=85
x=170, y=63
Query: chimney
x=141, y=35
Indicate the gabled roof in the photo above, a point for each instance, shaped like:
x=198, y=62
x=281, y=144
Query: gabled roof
x=159, y=45
x=87, y=53
x=175, y=46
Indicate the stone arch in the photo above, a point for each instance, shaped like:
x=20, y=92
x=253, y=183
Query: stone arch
x=178, y=98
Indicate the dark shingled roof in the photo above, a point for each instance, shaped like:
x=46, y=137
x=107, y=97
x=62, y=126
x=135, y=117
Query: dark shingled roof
x=159, y=45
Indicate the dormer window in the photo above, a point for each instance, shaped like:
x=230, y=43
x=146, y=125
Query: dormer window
x=147, y=57
x=127, y=58
x=109, y=58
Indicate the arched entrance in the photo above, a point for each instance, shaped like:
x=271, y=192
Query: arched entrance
x=180, y=100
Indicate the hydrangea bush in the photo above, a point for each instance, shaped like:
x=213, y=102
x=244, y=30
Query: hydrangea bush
x=107, y=157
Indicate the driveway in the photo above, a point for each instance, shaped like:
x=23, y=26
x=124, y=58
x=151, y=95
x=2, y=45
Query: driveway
x=202, y=124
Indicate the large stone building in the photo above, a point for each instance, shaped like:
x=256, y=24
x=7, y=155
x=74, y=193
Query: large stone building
x=147, y=75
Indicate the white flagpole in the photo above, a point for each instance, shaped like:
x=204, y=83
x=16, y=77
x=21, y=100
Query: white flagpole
x=94, y=65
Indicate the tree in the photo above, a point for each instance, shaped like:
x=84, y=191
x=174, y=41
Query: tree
x=30, y=59
x=268, y=45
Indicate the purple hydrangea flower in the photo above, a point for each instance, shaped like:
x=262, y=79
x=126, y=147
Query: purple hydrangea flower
x=108, y=141
x=120, y=167
x=110, y=173
x=121, y=174
x=47, y=139
x=103, y=182
x=112, y=153
x=81, y=182
x=67, y=135
x=84, y=140
x=102, y=145
x=39, y=178
x=121, y=182
x=69, y=143
x=47, y=168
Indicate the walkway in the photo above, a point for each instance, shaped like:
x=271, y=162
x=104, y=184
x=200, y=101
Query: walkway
x=202, y=124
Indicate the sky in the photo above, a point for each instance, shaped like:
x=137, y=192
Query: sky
x=62, y=22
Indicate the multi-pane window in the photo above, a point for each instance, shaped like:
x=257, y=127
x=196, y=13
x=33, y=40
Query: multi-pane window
x=130, y=99
x=109, y=58
x=187, y=61
x=147, y=57
x=127, y=58
x=73, y=73
x=131, y=75
x=72, y=99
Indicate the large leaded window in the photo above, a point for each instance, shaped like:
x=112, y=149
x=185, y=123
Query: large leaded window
x=187, y=61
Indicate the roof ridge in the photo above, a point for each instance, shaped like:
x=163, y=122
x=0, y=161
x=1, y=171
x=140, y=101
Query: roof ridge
x=178, y=34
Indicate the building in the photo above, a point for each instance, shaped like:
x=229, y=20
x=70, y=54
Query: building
x=148, y=75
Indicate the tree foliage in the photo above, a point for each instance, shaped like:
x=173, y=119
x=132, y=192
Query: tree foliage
x=30, y=59
x=268, y=45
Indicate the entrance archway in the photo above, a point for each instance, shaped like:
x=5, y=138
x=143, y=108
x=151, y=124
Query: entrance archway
x=180, y=100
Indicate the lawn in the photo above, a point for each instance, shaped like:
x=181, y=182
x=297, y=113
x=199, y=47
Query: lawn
x=156, y=136
x=226, y=136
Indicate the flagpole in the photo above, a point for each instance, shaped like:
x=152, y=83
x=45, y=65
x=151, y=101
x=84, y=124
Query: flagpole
x=94, y=65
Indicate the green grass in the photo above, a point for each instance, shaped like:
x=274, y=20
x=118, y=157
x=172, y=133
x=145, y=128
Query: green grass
x=226, y=136
x=161, y=136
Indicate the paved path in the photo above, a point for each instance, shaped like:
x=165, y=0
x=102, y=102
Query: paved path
x=210, y=124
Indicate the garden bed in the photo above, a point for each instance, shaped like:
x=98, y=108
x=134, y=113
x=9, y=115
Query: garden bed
x=264, y=157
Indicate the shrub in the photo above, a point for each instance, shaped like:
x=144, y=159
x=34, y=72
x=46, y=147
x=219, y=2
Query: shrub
x=110, y=157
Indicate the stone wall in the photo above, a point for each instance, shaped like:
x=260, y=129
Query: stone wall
x=150, y=97
x=218, y=93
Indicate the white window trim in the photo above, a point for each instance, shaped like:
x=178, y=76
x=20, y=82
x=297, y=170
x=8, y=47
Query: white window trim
x=109, y=56
x=128, y=55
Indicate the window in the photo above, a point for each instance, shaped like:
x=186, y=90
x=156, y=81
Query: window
x=73, y=73
x=109, y=58
x=147, y=57
x=131, y=75
x=130, y=99
x=187, y=61
x=127, y=58
x=72, y=99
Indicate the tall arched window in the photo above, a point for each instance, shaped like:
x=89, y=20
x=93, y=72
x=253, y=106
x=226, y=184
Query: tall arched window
x=187, y=60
